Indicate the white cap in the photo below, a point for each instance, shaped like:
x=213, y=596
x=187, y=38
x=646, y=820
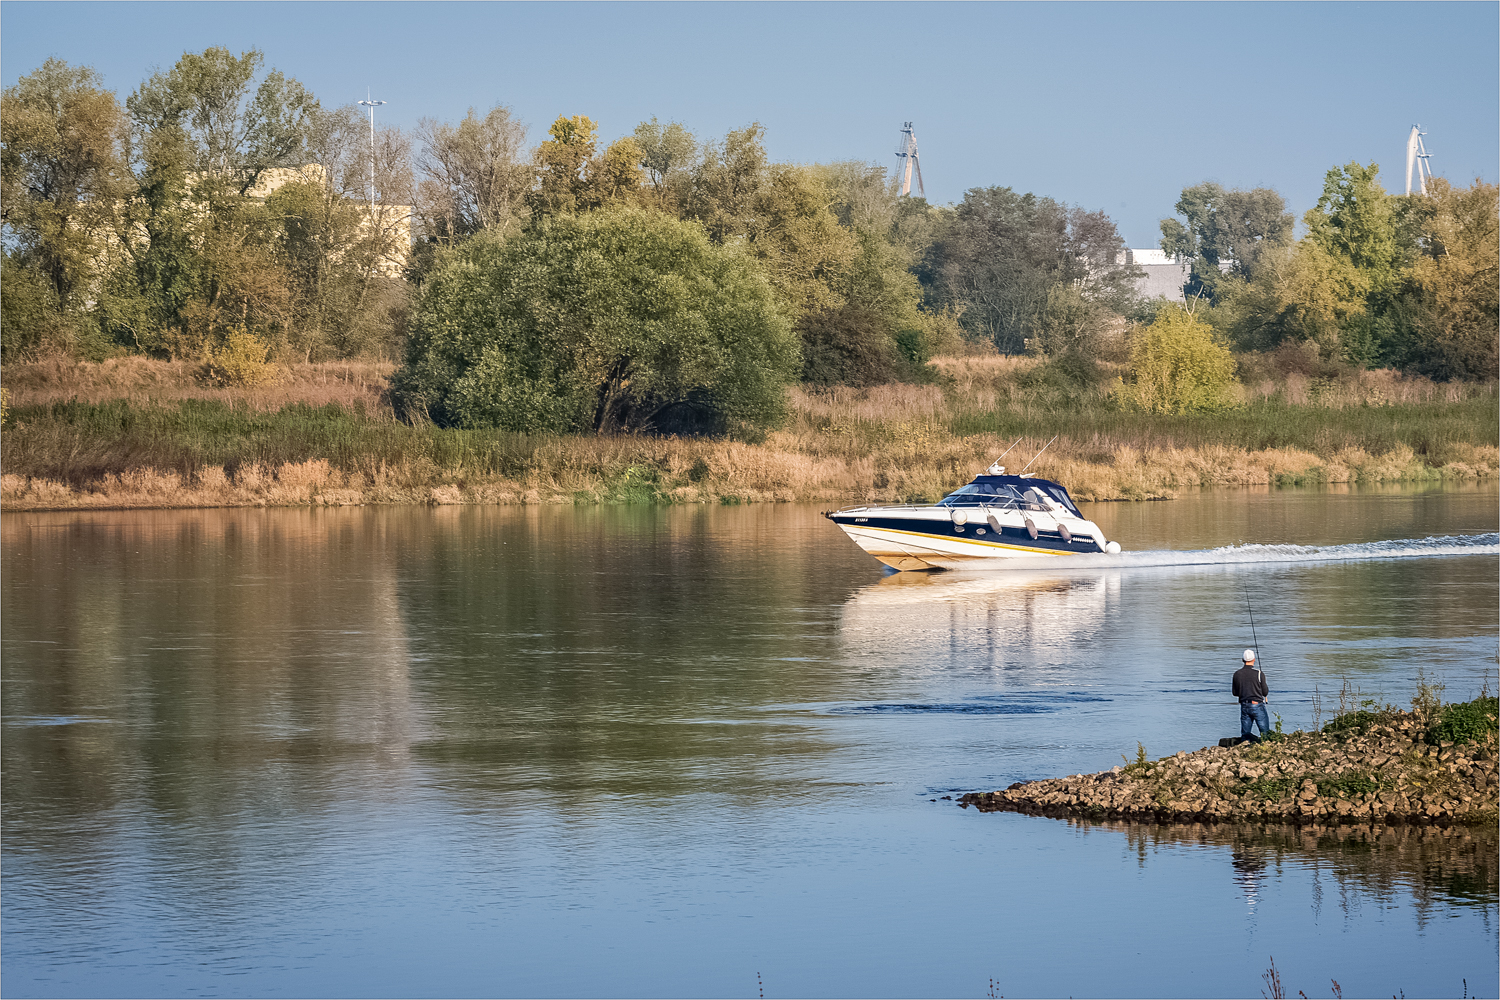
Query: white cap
x=1249, y=656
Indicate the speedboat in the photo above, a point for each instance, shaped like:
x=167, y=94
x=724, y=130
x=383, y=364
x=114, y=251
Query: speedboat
x=994, y=517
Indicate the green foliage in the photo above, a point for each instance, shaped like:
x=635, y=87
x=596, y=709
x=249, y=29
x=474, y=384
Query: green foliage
x=234, y=134
x=1004, y=252
x=1452, y=304
x=1178, y=366
x=1467, y=722
x=60, y=172
x=28, y=314
x=1347, y=785
x=851, y=346
x=1141, y=764
x=1270, y=788
x=476, y=175
x=668, y=155
x=1374, y=283
x=1354, y=221
x=614, y=320
x=1231, y=228
x=1356, y=723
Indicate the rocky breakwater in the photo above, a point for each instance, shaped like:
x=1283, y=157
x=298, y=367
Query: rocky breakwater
x=1436, y=767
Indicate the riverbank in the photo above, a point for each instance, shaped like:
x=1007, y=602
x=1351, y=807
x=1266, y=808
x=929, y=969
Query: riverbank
x=141, y=433
x=1390, y=767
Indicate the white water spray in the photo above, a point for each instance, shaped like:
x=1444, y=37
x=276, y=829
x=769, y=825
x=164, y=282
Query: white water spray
x=1254, y=555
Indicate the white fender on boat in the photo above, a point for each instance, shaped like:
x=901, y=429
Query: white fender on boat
x=1031, y=528
x=1062, y=529
x=1113, y=548
x=959, y=516
x=994, y=523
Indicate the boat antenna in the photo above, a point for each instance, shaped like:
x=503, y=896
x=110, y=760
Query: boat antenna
x=1253, y=637
x=996, y=469
x=1039, y=454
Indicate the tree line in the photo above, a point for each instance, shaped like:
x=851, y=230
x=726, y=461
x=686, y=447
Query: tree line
x=1378, y=280
x=659, y=280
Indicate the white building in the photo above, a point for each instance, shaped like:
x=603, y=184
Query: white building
x=1165, y=275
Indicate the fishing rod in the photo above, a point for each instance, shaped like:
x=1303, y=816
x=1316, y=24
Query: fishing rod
x=1253, y=637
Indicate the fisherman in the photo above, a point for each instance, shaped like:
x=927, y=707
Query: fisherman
x=1250, y=688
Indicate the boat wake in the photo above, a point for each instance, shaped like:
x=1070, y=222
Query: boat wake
x=1404, y=548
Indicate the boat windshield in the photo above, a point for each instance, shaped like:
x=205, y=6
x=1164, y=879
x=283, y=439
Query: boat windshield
x=975, y=494
x=1005, y=495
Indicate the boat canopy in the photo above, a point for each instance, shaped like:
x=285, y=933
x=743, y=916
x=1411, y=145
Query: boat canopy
x=1008, y=491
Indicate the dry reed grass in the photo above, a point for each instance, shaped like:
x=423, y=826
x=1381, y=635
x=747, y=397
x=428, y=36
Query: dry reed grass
x=355, y=384
x=883, y=444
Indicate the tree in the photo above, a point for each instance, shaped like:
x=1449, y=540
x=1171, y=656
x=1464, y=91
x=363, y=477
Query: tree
x=1354, y=221
x=235, y=136
x=1455, y=281
x=849, y=345
x=1299, y=293
x=729, y=182
x=560, y=161
x=1347, y=286
x=790, y=229
x=668, y=155
x=346, y=257
x=1177, y=366
x=1226, y=232
x=614, y=176
x=61, y=172
x=475, y=175
x=1003, y=252
x=619, y=319
x=863, y=198
x=161, y=270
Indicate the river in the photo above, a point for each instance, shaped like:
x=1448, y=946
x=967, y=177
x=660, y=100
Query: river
x=706, y=751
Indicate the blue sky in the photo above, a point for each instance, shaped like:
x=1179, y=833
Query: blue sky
x=1115, y=106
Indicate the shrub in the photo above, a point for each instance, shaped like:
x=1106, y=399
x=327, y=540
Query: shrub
x=1178, y=366
x=617, y=320
x=1469, y=722
x=239, y=361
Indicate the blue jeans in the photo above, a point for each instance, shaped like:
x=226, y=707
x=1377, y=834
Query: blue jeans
x=1256, y=714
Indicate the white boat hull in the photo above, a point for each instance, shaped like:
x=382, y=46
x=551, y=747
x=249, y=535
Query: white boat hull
x=911, y=550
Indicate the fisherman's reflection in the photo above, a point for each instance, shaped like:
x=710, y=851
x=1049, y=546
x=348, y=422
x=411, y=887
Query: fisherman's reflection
x=1249, y=870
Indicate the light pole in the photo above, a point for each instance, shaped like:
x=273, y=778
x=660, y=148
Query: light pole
x=372, y=105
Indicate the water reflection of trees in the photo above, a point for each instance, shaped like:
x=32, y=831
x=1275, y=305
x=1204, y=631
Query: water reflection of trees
x=613, y=651
x=194, y=665
x=1433, y=866
x=199, y=665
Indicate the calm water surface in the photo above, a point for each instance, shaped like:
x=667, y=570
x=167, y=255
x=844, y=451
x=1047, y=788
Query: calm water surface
x=640, y=751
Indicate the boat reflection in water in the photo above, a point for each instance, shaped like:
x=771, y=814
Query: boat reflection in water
x=979, y=621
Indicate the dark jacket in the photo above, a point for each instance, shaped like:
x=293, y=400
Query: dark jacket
x=1250, y=683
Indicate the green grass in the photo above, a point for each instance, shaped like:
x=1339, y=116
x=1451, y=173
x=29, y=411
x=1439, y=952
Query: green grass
x=1427, y=428
x=1463, y=722
x=79, y=442
x=1347, y=785
x=1271, y=788
x=907, y=451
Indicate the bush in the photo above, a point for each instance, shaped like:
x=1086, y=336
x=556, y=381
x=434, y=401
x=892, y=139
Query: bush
x=239, y=361
x=1178, y=366
x=1469, y=722
x=617, y=320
